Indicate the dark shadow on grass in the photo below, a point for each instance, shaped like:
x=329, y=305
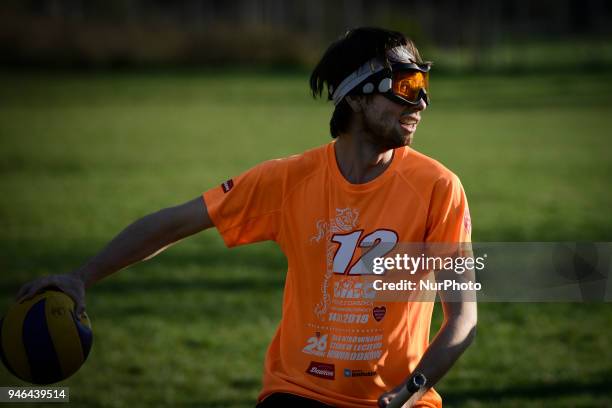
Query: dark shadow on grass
x=242, y=402
x=598, y=387
x=245, y=384
x=257, y=267
x=209, y=253
x=255, y=284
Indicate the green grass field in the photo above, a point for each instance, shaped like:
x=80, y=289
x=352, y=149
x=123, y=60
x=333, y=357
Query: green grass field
x=83, y=155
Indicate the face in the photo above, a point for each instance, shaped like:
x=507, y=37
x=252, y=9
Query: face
x=388, y=124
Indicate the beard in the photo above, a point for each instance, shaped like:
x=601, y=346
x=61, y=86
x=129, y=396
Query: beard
x=385, y=134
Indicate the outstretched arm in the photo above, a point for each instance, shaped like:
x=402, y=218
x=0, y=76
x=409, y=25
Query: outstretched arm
x=141, y=240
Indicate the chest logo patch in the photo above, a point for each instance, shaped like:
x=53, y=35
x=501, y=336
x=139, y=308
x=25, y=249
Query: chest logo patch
x=379, y=313
x=322, y=370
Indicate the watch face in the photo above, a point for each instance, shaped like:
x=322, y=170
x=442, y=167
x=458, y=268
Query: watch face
x=419, y=380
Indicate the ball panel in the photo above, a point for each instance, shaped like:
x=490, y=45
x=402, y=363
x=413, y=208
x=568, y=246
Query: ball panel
x=2, y=356
x=43, y=360
x=85, y=334
x=63, y=332
x=12, y=340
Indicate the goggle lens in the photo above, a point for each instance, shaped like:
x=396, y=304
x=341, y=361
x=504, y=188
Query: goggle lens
x=408, y=84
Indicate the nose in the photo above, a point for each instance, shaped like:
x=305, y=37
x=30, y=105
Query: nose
x=421, y=106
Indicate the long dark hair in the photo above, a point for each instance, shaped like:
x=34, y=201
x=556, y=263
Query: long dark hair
x=347, y=54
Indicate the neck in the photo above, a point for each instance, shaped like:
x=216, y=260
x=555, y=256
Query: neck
x=360, y=161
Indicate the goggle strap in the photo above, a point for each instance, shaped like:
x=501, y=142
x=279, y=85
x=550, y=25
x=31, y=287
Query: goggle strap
x=368, y=69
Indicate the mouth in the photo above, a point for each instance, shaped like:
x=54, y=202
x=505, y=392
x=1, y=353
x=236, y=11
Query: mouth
x=409, y=123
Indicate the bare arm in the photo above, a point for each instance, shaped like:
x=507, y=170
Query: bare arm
x=141, y=240
x=145, y=238
x=454, y=337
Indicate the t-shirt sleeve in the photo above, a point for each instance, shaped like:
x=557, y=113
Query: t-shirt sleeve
x=247, y=208
x=448, y=218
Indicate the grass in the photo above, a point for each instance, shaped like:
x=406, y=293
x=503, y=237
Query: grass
x=82, y=155
x=527, y=56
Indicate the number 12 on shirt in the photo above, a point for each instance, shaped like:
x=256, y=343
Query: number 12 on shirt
x=376, y=244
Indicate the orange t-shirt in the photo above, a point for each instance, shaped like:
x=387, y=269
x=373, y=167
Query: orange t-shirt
x=335, y=342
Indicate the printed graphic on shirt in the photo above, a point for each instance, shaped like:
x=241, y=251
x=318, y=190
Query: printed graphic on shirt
x=352, y=300
x=316, y=345
x=322, y=370
x=344, y=347
x=379, y=313
x=358, y=373
x=343, y=242
x=344, y=221
x=355, y=348
x=347, y=299
x=350, y=252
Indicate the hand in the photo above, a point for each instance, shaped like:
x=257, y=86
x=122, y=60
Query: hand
x=385, y=399
x=71, y=284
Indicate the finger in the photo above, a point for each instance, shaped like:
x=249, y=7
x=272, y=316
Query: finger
x=28, y=290
x=31, y=289
x=22, y=291
x=80, y=310
x=383, y=402
x=78, y=297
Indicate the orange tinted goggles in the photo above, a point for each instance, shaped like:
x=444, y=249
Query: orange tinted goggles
x=410, y=84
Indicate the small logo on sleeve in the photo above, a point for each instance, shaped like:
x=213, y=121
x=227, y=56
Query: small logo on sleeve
x=322, y=370
x=227, y=185
x=467, y=221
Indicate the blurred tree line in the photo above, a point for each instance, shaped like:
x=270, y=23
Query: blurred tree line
x=466, y=34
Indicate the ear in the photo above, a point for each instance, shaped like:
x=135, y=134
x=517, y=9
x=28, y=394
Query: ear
x=354, y=102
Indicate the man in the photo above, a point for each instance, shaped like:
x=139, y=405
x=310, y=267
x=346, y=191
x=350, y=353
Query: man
x=336, y=344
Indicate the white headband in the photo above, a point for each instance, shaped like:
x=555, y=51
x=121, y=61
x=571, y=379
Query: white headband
x=371, y=67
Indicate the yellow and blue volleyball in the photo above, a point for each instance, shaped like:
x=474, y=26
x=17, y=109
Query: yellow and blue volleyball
x=41, y=339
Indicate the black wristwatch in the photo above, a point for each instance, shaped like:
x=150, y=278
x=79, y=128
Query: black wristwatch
x=417, y=382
